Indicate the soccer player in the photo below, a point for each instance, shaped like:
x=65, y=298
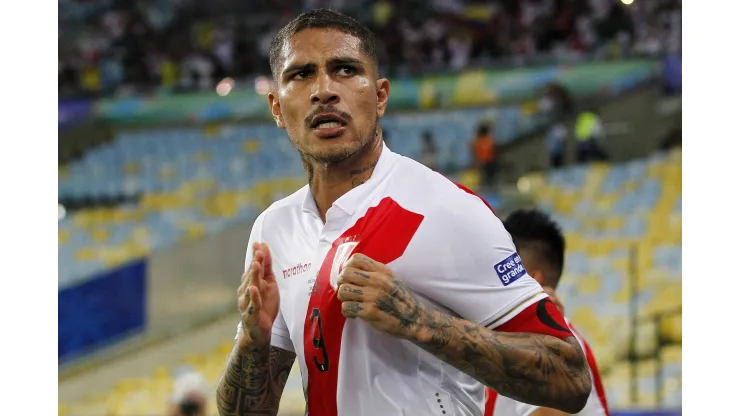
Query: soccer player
x=541, y=245
x=386, y=280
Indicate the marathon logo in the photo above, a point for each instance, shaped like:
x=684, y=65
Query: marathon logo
x=296, y=270
x=510, y=269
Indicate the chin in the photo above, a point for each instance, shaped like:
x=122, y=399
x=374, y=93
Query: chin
x=335, y=152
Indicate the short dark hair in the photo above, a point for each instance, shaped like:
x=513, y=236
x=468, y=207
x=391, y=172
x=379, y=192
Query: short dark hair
x=535, y=230
x=322, y=19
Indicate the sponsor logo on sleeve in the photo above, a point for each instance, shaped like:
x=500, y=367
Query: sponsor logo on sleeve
x=510, y=269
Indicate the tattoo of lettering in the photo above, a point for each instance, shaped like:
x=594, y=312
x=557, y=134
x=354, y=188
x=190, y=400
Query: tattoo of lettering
x=349, y=289
x=531, y=368
x=253, y=381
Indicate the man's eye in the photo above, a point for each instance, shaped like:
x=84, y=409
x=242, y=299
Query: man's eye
x=346, y=71
x=301, y=75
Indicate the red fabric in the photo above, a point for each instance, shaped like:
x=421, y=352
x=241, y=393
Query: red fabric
x=491, y=396
x=539, y=318
x=383, y=235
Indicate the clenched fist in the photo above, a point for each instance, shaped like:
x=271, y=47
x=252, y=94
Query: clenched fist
x=369, y=291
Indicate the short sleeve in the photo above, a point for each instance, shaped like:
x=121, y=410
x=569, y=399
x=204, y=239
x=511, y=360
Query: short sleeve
x=280, y=336
x=464, y=260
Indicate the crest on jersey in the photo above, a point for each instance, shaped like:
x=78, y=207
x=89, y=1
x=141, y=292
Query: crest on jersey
x=344, y=250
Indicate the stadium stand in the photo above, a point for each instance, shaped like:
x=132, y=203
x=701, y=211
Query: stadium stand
x=151, y=189
x=609, y=213
x=194, y=181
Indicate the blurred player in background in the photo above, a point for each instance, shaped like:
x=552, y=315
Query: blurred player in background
x=380, y=273
x=189, y=396
x=541, y=245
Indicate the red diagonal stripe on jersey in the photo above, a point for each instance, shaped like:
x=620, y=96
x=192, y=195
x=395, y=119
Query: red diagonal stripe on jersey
x=491, y=396
x=383, y=234
x=594, y=370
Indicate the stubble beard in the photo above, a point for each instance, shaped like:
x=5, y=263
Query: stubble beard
x=332, y=156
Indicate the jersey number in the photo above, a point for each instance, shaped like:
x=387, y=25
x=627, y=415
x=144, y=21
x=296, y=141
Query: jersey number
x=317, y=332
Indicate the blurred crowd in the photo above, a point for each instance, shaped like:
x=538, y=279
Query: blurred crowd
x=129, y=46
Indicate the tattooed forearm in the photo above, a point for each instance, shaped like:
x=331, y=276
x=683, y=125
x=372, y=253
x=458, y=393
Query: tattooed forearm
x=531, y=368
x=253, y=381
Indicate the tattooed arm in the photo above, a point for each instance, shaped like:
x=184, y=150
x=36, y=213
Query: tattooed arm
x=529, y=367
x=533, y=368
x=253, y=381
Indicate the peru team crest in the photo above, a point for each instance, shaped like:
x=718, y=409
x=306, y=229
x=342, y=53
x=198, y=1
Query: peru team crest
x=344, y=250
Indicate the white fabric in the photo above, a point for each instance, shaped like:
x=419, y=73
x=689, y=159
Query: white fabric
x=450, y=264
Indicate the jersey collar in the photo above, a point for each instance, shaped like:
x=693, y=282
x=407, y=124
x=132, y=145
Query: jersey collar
x=350, y=202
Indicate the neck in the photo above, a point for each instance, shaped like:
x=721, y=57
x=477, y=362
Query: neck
x=328, y=182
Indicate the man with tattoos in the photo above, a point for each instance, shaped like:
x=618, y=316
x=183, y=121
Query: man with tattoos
x=394, y=279
x=541, y=245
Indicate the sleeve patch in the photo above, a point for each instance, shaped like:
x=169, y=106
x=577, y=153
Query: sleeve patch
x=510, y=269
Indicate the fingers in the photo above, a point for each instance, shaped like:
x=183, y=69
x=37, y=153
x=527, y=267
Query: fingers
x=349, y=292
x=352, y=309
x=362, y=278
x=250, y=313
x=250, y=278
x=267, y=261
x=364, y=263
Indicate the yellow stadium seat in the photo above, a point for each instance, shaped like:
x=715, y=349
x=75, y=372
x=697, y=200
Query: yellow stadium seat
x=86, y=254
x=131, y=168
x=194, y=230
x=226, y=348
x=203, y=157
x=251, y=146
x=667, y=298
x=588, y=285
x=166, y=173
x=63, y=236
x=671, y=354
x=671, y=328
x=211, y=131
x=99, y=235
x=617, y=384
x=646, y=340
x=646, y=373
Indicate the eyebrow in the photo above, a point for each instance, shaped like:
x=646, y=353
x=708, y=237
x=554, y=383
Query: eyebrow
x=334, y=61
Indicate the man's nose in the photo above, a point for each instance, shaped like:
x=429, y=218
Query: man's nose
x=324, y=91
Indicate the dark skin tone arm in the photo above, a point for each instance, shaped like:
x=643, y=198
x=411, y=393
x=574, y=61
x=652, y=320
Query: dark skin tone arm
x=531, y=368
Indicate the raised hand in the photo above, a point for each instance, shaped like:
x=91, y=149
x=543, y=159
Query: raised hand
x=258, y=299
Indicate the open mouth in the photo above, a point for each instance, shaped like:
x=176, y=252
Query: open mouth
x=327, y=121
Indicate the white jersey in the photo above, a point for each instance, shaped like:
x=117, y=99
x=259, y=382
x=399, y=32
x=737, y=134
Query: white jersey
x=595, y=406
x=444, y=243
